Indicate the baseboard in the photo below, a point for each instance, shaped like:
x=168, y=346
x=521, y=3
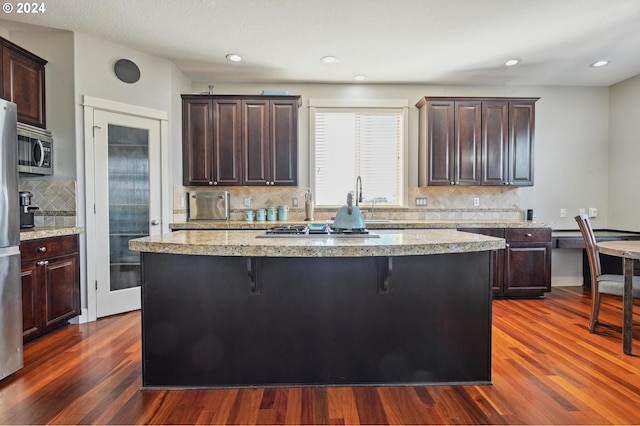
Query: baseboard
x=566, y=281
x=84, y=317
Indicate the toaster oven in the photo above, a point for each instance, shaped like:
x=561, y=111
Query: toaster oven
x=209, y=205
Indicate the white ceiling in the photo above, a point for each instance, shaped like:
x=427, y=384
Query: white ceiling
x=390, y=41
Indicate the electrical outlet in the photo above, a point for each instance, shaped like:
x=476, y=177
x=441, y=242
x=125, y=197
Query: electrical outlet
x=247, y=201
x=583, y=211
x=476, y=202
x=421, y=201
x=294, y=202
x=593, y=212
x=563, y=212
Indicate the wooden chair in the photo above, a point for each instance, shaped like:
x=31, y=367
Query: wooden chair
x=608, y=283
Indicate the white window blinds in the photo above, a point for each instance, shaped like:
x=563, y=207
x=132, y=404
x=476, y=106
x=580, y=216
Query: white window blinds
x=358, y=142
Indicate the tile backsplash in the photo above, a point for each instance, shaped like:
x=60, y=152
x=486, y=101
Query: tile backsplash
x=56, y=199
x=443, y=203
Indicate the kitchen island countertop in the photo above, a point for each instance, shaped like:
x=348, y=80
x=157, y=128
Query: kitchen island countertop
x=246, y=243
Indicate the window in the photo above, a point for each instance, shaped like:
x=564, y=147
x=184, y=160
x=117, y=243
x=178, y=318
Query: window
x=362, y=140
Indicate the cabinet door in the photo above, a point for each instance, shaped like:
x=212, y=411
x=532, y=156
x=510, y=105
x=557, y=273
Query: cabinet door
x=468, y=142
x=495, y=142
x=30, y=313
x=227, y=142
x=62, y=289
x=440, y=142
x=23, y=84
x=284, y=142
x=197, y=142
x=255, y=143
x=521, y=141
x=528, y=268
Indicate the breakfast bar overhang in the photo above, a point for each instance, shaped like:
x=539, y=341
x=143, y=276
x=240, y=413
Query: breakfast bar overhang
x=228, y=309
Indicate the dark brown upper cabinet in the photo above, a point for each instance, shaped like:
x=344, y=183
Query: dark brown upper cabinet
x=240, y=140
x=23, y=78
x=476, y=141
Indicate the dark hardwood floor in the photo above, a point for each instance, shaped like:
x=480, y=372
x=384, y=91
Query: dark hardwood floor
x=547, y=369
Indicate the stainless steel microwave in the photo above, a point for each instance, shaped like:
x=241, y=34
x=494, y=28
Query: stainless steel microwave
x=35, y=150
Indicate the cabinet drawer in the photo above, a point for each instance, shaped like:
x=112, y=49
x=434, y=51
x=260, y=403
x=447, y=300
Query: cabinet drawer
x=538, y=235
x=48, y=247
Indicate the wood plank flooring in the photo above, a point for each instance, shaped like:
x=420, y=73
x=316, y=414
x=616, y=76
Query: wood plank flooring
x=547, y=369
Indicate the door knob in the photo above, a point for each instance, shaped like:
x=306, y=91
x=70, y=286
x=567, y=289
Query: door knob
x=155, y=222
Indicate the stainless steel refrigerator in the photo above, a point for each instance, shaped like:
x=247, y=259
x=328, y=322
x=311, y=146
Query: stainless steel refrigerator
x=11, y=358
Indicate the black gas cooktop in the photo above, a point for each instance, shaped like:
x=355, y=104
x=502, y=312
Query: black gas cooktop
x=315, y=229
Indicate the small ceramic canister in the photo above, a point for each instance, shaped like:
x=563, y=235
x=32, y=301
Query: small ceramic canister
x=272, y=213
x=249, y=215
x=283, y=212
x=261, y=215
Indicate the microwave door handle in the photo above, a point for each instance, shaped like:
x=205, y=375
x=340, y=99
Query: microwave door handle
x=41, y=148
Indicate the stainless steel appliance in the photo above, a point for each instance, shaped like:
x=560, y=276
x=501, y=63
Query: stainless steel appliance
x=26, y=210
x=209, y=205
x=35, y=150
x=10, y=285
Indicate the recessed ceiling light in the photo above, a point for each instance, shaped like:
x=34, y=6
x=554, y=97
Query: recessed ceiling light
x=599, y=64
x=359, y=77
x=234, y=57
x=329, y=59
x=512, y=62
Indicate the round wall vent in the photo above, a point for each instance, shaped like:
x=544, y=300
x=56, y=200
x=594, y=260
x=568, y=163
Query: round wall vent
x=127, y=71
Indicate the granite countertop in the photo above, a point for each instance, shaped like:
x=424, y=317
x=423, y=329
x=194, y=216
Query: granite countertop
x=245, y=243
x=48, y=232
x=371, y=224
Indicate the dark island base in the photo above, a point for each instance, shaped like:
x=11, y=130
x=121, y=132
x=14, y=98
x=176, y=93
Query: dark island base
x=315, y=321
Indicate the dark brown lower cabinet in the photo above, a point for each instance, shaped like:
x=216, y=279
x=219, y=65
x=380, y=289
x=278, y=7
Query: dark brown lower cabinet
x=523, y=268
x=50, y=284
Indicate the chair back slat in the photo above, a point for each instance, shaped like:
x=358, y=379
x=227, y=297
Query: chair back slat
x=590, y=243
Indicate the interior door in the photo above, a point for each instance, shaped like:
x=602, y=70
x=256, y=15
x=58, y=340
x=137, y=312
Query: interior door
x=127, y=204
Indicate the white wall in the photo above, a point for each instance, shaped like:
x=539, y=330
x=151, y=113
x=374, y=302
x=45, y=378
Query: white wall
x=624, y=135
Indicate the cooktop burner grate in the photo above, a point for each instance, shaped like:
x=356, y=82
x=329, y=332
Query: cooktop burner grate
x=349, y=231
x=288, y=229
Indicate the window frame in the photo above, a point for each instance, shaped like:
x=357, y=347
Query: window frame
x=362, y=105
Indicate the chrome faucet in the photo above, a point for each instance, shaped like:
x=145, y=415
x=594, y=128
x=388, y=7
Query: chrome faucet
x=358, y=190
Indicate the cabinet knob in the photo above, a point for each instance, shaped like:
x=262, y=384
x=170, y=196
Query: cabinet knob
x=210, y=183
x=155, y=222
x=529, y=235
x=42, y=249
x=215, y=182
x=42, y=263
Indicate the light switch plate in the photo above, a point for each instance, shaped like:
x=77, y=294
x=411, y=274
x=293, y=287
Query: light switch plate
x=247, y=201
x=593, y=212
x=421, y=201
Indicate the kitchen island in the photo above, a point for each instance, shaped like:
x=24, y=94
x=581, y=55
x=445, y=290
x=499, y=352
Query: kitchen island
x=226, y=309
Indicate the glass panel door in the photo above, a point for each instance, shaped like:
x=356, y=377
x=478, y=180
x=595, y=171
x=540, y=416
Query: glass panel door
x=128, y=201
x=127, y=204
